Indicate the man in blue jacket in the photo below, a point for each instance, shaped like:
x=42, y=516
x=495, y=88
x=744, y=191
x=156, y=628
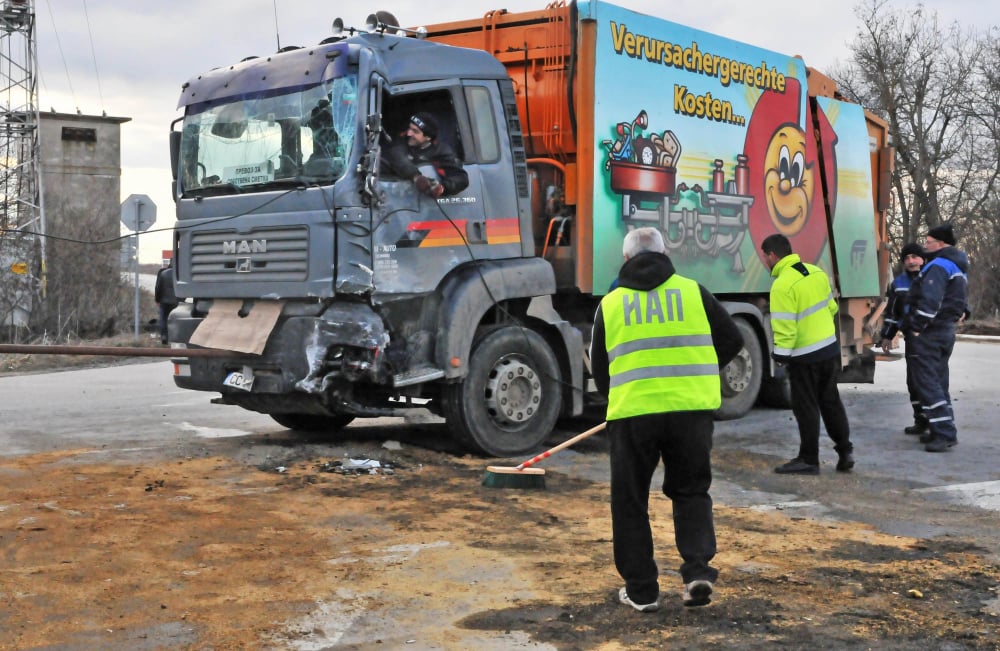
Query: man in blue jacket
x=936, y=303
x=912, y=257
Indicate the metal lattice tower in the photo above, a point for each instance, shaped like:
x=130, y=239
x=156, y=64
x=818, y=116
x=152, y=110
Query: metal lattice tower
x=22, y=221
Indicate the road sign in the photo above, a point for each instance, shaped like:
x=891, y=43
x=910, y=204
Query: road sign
x=138, y=212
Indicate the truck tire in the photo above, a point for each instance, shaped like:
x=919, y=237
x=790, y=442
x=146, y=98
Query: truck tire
x=312, y=422
x=741, y=378
x=510, y=399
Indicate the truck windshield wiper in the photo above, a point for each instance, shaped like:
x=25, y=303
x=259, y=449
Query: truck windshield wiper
x=214, y=188
x=289, y=182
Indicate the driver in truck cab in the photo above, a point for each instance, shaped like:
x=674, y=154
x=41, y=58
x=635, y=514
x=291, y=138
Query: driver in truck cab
x=421, y=147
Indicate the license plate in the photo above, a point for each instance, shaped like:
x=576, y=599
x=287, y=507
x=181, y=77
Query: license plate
x=239, y=380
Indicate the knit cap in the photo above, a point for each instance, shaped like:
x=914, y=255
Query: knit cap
x=943, y=233
x=912, y=249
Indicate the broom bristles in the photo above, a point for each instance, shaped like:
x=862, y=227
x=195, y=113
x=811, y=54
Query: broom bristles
x=511, y=477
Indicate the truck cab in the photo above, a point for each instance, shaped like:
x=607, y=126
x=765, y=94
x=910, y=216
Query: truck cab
x=343, y=292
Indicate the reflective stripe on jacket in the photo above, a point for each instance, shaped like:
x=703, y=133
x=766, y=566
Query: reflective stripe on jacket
x=802, y=309
x=895, y=307
x=939, y=294
x=660, y=352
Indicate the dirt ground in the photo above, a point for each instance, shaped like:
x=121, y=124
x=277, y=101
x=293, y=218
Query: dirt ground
x=210, y=553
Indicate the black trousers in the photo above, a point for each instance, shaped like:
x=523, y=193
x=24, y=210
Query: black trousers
x=165, y=310
x=931, y=354
x=815, y=395
x=683, y=440
x=911, y=380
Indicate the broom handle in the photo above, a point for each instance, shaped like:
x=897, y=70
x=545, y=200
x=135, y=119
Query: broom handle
x=562, y=446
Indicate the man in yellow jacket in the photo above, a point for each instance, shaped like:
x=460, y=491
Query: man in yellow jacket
x=659, y=340
x=805, y=340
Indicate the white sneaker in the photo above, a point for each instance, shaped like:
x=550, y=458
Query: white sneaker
x=698, y=593
x=642, y=608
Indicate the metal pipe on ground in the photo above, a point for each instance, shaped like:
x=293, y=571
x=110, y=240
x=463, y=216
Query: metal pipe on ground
x=119, y=351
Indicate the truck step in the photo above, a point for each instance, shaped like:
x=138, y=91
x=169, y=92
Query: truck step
x=417, y=375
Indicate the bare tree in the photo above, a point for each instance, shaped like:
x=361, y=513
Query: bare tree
x=982, y=239
x=936, y=88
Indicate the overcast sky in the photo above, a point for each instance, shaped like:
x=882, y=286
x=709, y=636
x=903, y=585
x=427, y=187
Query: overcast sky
x=129, y=59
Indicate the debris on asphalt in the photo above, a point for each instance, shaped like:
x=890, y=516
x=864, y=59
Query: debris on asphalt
x=357, y=467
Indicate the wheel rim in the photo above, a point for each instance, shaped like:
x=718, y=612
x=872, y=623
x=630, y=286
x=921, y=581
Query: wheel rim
x=513, y=392
x=737, y=374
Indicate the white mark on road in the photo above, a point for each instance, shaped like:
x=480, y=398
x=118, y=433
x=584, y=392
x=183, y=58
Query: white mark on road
x=984, y=494
x=212, y=432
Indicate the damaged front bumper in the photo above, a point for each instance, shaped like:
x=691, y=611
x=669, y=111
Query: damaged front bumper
x=312, y=360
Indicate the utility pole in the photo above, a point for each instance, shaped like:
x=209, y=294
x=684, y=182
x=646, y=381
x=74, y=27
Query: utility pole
x=22, y=219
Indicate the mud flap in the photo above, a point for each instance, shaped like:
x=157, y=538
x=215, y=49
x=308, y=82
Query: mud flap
x=860, y=369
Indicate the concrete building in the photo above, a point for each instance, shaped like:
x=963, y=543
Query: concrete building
x=80, y=162
x=80, y=158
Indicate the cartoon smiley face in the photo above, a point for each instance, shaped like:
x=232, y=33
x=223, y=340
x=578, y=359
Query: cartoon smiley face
x=788, y=180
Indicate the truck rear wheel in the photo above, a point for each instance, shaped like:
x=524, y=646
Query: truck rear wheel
x=510, y=399
x=741, y=377
x=312, y=422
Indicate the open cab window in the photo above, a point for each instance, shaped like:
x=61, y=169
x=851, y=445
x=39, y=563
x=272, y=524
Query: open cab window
x=269, y=140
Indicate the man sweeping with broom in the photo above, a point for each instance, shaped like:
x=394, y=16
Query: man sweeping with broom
x=659, y=340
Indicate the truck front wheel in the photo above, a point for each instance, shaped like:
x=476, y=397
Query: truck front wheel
x=510, y=399
x=741, y=377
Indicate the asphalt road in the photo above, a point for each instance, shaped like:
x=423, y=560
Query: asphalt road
x=134, y=411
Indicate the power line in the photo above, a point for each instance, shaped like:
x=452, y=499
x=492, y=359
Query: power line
x=55, y=32
x=100, y=93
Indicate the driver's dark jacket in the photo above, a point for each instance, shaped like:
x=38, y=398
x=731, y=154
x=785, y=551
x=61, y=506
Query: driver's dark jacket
x=405, y=162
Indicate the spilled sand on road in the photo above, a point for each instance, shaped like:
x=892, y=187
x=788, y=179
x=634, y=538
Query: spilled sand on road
x=208, y=552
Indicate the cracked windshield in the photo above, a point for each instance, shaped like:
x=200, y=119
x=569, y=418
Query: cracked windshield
x=270, y=141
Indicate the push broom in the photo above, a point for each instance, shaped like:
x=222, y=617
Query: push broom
x=523, y=475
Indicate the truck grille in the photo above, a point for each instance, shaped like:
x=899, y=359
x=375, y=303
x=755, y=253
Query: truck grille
x=261, y=255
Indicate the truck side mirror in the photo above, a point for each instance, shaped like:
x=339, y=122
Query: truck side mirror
x=175, y=153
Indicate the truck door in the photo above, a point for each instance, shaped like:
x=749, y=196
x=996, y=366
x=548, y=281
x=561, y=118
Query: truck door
x=418, y=240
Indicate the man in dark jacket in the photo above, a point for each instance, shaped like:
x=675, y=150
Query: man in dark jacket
x=422, y=147
x=658, y=342
x=165, y=297
x=912, y=257
x=936, y=303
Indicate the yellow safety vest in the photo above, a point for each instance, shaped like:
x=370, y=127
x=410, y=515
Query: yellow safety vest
x=660, y=352
x=802, y=309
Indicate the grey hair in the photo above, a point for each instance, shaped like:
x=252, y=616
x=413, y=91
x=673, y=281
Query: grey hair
x=641, y=240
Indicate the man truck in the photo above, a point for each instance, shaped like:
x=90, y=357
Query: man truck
x=341, y=291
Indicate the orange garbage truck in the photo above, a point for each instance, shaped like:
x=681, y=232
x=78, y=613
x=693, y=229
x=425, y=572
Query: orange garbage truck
x=343, y=291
